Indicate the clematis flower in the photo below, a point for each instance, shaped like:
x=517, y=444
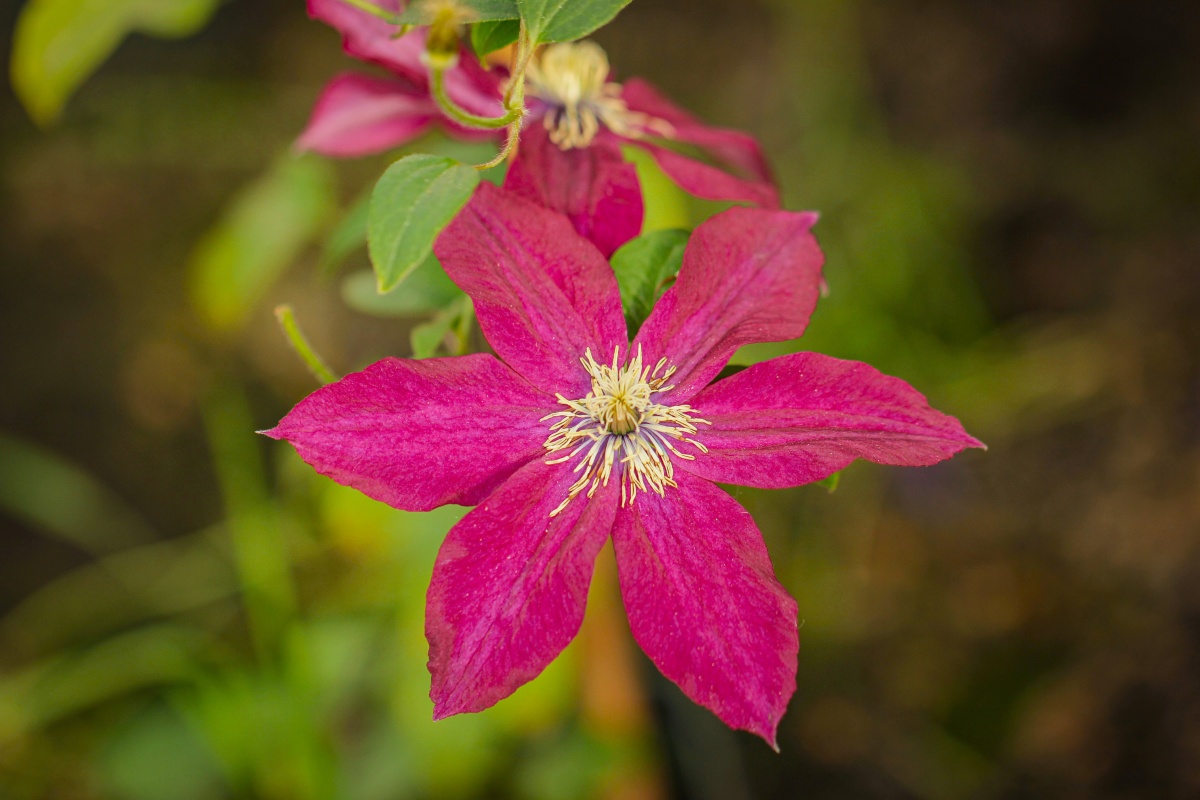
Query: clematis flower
x=359, y=114
x=572, y=434
x=578, y=119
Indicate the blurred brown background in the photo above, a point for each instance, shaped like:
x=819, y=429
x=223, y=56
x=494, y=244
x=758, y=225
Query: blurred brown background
x=1010, y=198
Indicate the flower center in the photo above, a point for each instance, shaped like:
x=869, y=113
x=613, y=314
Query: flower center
x=572, y=79
x=618, y=425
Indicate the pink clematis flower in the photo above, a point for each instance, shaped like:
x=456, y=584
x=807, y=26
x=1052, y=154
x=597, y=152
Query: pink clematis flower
x=359, y=114
x=570, y=158
x=575, y=435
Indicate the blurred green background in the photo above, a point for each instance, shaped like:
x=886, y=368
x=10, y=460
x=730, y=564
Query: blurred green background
x=1010, y=199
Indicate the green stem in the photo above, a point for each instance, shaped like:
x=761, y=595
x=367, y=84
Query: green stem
x=452, y=110
x=299, y=343
x=374, y=10
x=510, y=148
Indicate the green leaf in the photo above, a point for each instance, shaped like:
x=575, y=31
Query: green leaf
x=488, y=37
x=830, y=484
x=64, y=501
x=426, y=290
x=412, y=202
x=259, y=235
x=567, y=20
x=424, y=12
x=347, y=237
x=59, y=43
x=427, y=338
x=645, y=267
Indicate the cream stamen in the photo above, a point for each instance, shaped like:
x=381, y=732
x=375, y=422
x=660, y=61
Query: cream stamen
x=618, y=425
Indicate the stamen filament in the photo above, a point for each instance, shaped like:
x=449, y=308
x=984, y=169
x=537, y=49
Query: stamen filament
x=618, y=426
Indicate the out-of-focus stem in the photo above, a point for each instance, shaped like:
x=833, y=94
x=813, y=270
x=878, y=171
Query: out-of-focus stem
x=299, y=343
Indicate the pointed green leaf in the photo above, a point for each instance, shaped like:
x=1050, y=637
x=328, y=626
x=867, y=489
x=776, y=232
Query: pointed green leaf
x=567, y=20
x=413, y=201
x=261, y=232
x=644, y=268
x=59, y=43
x=488, y=37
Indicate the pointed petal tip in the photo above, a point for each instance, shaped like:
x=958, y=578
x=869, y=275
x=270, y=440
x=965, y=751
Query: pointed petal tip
x=273, y=433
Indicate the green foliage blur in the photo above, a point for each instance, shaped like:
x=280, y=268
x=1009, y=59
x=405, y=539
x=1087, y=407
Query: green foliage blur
x=1008, y=199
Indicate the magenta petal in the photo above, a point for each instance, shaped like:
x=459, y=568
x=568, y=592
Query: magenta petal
x=475, y=89
x=420, y=434
x=704, y=604
x=595, y=187
x=748, y=276
x=366, y=37
x=708, y=182
x=357, y=115
x=800, y=418
x=510, y=585
x=543, y=294
x=738, y=149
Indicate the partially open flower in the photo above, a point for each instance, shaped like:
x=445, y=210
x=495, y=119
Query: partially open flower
x=579, y=118
x=575, y=435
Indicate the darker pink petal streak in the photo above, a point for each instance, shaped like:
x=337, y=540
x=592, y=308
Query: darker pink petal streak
x=704, y=604
x=357, y=115
x=595, y=187
x=748, y=276
x=800, y=418
x=509, y=586
x=420, y=434
x=542, y=294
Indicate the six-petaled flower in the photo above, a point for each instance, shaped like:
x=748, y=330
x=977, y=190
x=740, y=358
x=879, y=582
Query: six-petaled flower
x=575, y=435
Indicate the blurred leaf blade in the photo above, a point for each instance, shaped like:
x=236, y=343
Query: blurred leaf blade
x=424, y=291
x=259, y=235
x=260, y=551
x=347, y=237
x=64, y=501
x=58, y=44
x=69, y=683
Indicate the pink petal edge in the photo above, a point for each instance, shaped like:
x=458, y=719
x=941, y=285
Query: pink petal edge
x=419, y=434
x=748, y=275
x=704, y=604
x=799, y=418
x=543, y=294
x=595, y=187
x=510, y=585
x=358, y=115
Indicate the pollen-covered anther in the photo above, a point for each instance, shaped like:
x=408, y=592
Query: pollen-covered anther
x=572, y=79
x=618, y=426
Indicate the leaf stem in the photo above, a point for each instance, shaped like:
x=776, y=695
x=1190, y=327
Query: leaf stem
x=299, y=343
x=451, y=109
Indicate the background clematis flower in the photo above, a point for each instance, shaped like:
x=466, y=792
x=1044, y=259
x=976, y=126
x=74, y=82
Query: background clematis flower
x=570, y=158
x=360, y=114
x=573, y=435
